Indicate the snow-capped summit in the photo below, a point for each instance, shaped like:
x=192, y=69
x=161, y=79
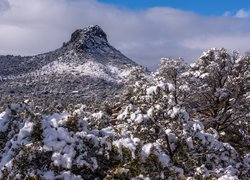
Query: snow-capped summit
x=89, y=39
x=87, y=63
x=90, y=31
x=92, y=41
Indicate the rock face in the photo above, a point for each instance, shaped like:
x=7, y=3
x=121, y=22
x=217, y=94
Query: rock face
x=86, y=68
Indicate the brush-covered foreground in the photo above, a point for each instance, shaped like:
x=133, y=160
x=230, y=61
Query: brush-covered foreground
x=182, y=122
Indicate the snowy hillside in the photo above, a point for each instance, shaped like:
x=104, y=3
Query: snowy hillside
x=87, y=63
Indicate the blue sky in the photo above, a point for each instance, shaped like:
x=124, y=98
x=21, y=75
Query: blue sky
x=202, y=7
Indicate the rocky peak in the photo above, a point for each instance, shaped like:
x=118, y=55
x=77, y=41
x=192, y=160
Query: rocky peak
x=93, y=31
x=90, y=39
x=92, y=42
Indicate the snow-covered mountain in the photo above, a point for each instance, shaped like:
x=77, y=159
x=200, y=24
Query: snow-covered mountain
x=180, y=122
x=86, y=66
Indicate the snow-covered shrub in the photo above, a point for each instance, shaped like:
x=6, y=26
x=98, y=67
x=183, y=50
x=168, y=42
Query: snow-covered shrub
x=35, y=145
x=154, y=129
x=219, y=84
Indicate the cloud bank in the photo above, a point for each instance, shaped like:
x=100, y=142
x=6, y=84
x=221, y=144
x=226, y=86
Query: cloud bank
x=29, y=27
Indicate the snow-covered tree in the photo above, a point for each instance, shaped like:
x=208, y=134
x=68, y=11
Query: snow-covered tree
x=219, y=95
x=171, y=71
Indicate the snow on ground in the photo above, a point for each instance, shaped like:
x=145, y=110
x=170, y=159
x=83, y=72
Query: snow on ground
x=90, y=68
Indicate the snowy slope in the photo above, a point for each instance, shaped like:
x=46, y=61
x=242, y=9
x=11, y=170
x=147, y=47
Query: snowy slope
x=81, y=64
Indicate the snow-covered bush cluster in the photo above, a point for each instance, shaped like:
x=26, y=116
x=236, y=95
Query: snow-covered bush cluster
x=182, y=122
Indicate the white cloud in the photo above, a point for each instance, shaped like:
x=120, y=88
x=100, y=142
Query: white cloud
x=34, y=26
x=227, y=13
x=242, y=13
x=4, y=5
